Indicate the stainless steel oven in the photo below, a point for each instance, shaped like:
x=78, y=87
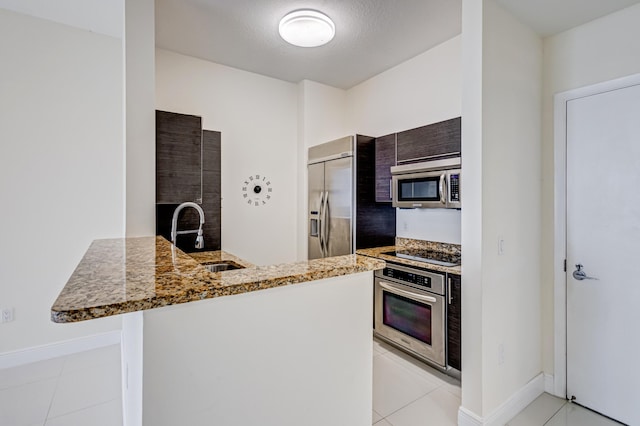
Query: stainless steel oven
x=409, y=311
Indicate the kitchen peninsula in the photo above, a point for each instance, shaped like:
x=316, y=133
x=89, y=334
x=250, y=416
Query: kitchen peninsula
x=237, y=347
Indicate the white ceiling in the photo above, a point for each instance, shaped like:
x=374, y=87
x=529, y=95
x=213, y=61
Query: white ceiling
x=372, y=35
x=98, y=16
x=549, y=17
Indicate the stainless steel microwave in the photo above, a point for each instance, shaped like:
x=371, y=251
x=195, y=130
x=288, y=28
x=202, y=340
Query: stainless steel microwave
x=432, y=184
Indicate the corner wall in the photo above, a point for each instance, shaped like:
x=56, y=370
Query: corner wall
x=321, y=118
x=61, y=168
x=601, y=50
x=511, y=190
x=501, y=156
x=257, y=117
x=423, y=90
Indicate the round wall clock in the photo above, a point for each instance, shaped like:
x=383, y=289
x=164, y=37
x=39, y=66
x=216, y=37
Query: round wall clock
x=256, y=190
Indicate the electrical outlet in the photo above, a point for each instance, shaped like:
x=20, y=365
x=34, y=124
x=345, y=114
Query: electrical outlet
x=7, y=314
x=500, y=354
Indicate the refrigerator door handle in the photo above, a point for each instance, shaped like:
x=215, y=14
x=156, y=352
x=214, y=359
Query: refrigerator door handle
x=321, y=223
x=325, y=221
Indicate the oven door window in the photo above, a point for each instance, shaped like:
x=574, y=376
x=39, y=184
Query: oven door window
x=407, y=316
x=419, y=189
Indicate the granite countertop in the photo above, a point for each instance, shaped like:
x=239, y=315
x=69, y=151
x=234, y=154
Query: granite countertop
x=378, y=253
x=123, y=275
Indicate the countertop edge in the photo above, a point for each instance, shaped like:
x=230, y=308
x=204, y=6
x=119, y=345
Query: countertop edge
x=377, y=253
x=203, y=285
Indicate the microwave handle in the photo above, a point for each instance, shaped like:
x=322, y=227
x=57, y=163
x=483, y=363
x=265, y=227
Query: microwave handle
x=443, y=197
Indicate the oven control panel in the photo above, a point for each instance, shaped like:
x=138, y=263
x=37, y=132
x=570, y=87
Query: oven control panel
x=408, y=277
x=426, y=280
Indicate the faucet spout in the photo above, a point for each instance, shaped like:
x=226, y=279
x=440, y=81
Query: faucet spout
x=174, y=224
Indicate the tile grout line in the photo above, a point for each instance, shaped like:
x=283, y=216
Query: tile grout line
x=424, y=374
x=83, y=408
x=409, y=403
x=556, y=412
x=55, y=391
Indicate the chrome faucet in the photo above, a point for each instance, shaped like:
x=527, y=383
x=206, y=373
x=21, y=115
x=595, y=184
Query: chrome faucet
x=174, y=224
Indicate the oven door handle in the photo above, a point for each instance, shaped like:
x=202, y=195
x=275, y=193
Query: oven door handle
x=394, y=289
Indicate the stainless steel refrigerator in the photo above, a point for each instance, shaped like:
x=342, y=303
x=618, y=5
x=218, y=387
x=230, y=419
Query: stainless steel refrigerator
x=343, y=215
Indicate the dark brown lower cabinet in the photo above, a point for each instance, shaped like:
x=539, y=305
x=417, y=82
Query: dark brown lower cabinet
x=454, y=325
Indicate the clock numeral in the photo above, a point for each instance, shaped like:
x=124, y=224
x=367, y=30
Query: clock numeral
x=246, y=182
x=270, y=189
x=245, y=195
x=257, y=176
x=256, y=204
x=264, y=178
x=250, y=177
x=249, y=202
x=268, y=183
x=268, y=197
x=244, y=188
x=264, y=202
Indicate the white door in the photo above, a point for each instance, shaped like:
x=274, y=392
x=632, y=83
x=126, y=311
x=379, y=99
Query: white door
x=603, y=235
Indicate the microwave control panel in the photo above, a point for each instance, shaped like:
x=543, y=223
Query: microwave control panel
x=454, y=188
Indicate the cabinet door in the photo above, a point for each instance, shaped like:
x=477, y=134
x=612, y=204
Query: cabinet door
x=385, y=159
x=178, y=158
x=454, y=308
x=211, y=190
x=438, y=140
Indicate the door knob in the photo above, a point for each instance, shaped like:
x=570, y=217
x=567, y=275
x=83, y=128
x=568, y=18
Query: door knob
x=580, y=275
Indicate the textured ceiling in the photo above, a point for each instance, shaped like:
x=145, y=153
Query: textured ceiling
x=371, y=35
x=549, y=17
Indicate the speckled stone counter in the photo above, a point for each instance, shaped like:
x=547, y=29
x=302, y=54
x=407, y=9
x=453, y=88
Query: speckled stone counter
x=117, y=276
x=378, y=253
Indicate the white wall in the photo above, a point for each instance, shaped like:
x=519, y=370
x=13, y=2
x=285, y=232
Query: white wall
x=471, y=219
x=301, y=354
x=321, y=118
x=257, y=116
x=501, y=155
x=601, y=50
x=61, y=167
x=511, y=144
x=139, y=118
x=423, y=90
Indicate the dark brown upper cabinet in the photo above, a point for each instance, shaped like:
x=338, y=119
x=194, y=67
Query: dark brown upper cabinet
x=438, y=140
x=178, y=158
x=385, y=159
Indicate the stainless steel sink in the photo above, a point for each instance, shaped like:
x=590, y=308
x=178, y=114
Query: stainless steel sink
x=222, y=266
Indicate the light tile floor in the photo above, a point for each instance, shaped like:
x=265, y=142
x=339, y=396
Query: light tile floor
x=407, y=392
x=548, y=410
x=79, y=389
x=84, y=389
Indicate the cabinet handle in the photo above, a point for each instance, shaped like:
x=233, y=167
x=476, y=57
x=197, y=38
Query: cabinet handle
x=450, y=297
x=391, y=189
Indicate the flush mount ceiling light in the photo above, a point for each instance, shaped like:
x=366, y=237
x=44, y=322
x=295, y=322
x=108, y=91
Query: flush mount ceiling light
x=307, y=28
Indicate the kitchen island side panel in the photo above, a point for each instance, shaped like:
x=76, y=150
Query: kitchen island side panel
x=288, y=356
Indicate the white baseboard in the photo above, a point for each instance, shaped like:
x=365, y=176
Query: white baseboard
x=54, y=350
x=549, y=384
x=508, y=409
x=467, y=418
